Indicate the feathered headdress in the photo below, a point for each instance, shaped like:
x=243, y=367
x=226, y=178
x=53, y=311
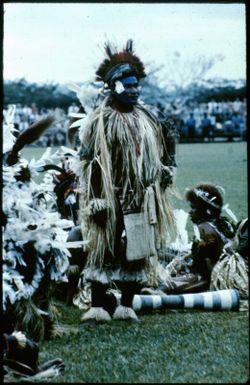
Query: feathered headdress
x=30, y=135
x=205, y=194
x=119, y=64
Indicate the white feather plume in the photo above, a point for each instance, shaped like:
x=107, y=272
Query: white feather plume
x=181, y=242
x=230, y=213
x=9, y=128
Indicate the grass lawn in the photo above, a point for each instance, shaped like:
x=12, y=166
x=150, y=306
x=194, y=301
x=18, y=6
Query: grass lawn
x=175, y=346
x=222, y=163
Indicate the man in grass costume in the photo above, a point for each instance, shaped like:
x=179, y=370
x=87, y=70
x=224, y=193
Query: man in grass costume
x=126, y=176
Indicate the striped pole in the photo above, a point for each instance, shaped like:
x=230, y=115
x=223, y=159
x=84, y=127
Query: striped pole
x=228, y=299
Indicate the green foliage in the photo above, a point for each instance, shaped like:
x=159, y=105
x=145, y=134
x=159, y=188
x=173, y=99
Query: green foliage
x=45, y=95
x=175, y=346
x=218, y=93
x=52, y=95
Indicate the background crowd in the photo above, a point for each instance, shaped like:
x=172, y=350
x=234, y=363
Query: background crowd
x=195, y=121
x=206, y=121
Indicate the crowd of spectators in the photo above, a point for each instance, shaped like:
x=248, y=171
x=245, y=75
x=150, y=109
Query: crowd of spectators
x=206, y=121
x=56, y=135
x=194, y=121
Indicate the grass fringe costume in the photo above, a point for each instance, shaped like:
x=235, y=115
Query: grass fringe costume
x=121, y=174
x=124, y=212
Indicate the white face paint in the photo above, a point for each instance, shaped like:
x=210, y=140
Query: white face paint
x=119, y=88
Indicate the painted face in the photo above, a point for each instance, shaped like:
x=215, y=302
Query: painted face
x=126, y=90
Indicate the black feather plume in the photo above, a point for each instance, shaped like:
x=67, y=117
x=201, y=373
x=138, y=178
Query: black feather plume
x=129, y=46
x=110, y=51
x=29, y=136
x=53, y=167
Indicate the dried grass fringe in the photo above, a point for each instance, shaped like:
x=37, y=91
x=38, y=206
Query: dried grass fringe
x=96, y=313
x=145, y=166
x=231, y=271
x=124, y=313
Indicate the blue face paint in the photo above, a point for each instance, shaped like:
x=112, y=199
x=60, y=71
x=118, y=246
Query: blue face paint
x=131, y=93
x=129, y=80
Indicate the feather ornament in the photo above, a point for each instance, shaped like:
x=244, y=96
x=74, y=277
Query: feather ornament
x=29, y=136
x=9, y=129
x=27, y=223
x=196, y=232
x=129, y=46
x=77, y=115
x=115, y=57
x=73, y=87
x=180, y=245
x=230, y=213
x=78, y=122
x=87, y=95
x=9, y=115
x=31, y=218
x=110, y=49
x=8, y=289
x=181, y=242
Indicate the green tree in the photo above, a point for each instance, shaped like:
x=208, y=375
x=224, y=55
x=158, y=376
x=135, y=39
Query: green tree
x=43, y=95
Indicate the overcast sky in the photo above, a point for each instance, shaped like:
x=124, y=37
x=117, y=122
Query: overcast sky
x=60, y=42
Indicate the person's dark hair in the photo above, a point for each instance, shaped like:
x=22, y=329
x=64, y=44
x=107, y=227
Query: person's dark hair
x=206, y=196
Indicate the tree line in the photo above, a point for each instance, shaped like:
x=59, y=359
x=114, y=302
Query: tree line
x=54, y=95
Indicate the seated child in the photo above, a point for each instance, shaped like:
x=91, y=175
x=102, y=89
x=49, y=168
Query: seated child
x=192, y=272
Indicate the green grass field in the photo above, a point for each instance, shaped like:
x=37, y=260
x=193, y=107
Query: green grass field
x=175, y=346
x=222, y=163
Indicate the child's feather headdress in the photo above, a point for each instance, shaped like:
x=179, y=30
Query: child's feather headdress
x=206, y=194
